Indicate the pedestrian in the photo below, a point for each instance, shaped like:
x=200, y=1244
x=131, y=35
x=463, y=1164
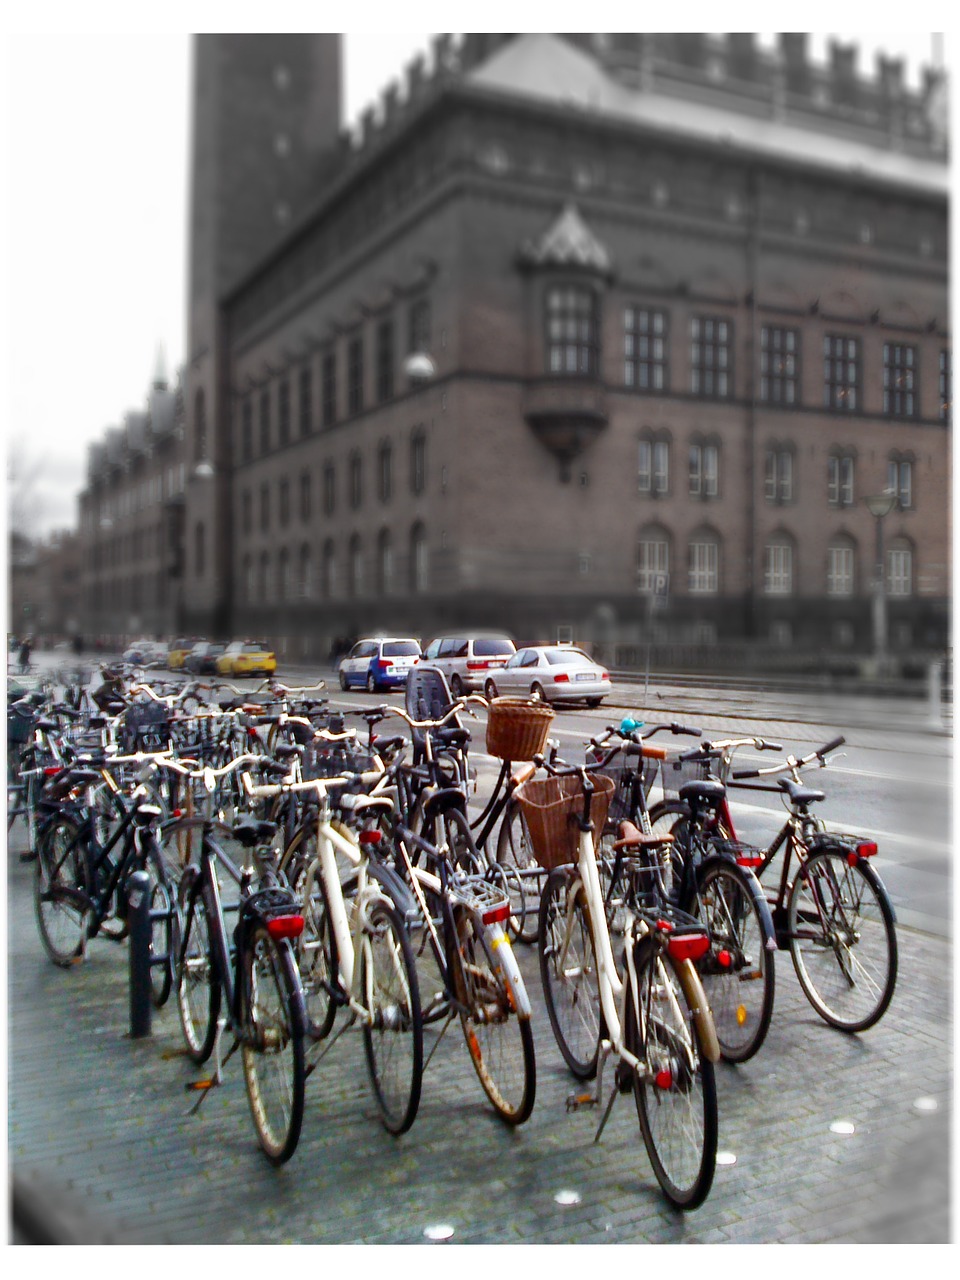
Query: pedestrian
x=25, y=656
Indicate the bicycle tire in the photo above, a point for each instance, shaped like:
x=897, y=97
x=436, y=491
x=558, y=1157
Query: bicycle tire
x=162, y=926
x=451, y=829
x=515, y=849
x=499, y=1040
x=568, y=970
x=60, y=894
x=730, y=903
x=672, y=817
x=393, y=1038
x=842, y=939
x=316, y=954
x=274, y=1065
x=198, y=985
x=677, y=1111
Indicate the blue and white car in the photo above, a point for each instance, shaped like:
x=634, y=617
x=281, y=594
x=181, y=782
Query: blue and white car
x=380, y=663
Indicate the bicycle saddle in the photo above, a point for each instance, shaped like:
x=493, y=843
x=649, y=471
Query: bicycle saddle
x=631, y=837
x=702, y=793
x=441, y=801
x=249, y=831
x=799, y=794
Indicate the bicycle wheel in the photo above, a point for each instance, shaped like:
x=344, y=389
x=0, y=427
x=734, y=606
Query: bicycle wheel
x=393, y=1038
x=737, y=973
x=676, y=1094
x=59, y=892
x=672, y=817
x=515, y=849
x=162, y=931
x=452, y=829
x=272, y=1049
x=316, y=955
x=198, y=985
x=842, y=940
x=568, y=969
x=500, y=1042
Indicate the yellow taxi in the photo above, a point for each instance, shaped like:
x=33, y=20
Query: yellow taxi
x=246, y=658
x=177, y=652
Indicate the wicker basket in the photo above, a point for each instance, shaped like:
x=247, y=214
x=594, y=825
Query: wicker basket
x=551, y=807
x=517, y=728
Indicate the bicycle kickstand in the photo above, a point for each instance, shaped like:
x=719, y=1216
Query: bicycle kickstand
x=204, y=1086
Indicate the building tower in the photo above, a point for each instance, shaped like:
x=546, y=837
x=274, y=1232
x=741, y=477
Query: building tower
x=265, y=125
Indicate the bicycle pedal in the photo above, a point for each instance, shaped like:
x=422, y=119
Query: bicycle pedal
x=577, y=1100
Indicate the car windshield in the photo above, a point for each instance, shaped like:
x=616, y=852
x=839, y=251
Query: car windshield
x=565, y=657
x=401, y=649
x=254, y=646
x=492, y=646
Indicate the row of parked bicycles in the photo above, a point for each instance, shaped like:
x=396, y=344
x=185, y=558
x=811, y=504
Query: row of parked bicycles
x=306, y=867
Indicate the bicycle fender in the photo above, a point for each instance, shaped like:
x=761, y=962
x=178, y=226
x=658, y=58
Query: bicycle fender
x=758, y=896
x=510, y=970
x=394, y=887
x=697, y=1000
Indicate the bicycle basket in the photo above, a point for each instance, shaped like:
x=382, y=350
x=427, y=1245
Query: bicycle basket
x=677, y=772
x=19, y=725
x=623, y=769
x=146, y=724
x=334, y=760
x=551, y=807
x=517, y=728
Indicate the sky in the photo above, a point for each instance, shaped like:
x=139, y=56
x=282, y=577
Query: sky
x=94, y=172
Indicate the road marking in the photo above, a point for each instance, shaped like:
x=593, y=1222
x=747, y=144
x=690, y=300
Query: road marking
x=940, y=846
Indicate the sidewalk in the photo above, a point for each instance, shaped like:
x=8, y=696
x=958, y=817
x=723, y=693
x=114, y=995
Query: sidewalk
x=100, y=1143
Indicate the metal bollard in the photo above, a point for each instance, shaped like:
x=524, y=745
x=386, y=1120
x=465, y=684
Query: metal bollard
x=141, y=929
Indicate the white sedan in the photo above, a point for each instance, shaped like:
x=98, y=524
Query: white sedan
x=555, y=673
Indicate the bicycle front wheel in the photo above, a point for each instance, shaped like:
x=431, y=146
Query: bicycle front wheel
x=59, y=892
x=198, y=986
x=842, y=940
x=568, y=969
x=675, y=1092
x=515, y=850
x=316, y=954
x=162, y=927
x=737, y=972
x=273, y=1053
x=393, y=1037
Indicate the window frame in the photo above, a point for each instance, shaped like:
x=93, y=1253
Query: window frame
x=901, y=366
x=706, y=374
x=702, y=482
x=355, y=376
x=653, y=475
x=703, y=580
x=385, y=361
x=641, y=337
x=571, y=324
x=775, y=346
x=837, y=390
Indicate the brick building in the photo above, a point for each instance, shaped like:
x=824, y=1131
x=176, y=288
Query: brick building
x=685, y=303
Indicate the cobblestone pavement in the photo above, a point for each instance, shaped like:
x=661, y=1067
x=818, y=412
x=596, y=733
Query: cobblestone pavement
x=101, y=1145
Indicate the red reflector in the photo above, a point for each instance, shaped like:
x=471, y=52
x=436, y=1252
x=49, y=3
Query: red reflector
x=562, y=678
x=251, y=731
x=724, y=959
x=867, y=848
x=689, y=947
x=749, y=860
x=371, y=837
x=51, y=773
x=665, y=926
x=178, y=813
x=495, y=914
x=285, y=926
x=664, y=1079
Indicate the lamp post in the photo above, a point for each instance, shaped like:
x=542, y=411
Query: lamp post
x=880, y=505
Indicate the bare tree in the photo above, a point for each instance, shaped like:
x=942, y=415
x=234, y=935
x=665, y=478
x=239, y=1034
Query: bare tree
x=22, y=473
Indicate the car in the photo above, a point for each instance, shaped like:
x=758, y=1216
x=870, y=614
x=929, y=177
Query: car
x=145, y=653
x=178, y=652
x=466, y=659
x=202, y=658
x=246, y=658
x=552, y=672
x=380, y=662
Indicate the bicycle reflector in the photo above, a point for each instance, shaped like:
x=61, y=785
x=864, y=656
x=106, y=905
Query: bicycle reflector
x=865, y=849
x=689, y=946
x=285, y=926
x=494, y=915
x=52, y=772
x=370, y=837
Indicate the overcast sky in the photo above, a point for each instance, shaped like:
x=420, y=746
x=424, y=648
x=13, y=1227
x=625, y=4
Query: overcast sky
x=95, y=162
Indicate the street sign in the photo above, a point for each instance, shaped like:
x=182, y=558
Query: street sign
x=661, y=587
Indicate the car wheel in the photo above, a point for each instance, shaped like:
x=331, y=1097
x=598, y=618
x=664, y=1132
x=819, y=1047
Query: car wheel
x=343, y=680
x=371, y=683
x=594, y=702
x=489, y=691
x=456, y=686
x=536, y=691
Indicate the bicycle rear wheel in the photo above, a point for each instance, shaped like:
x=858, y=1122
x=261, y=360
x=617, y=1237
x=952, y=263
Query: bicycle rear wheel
x=842, y=939
x=198, y=985
x=499, y=1040
x=59, y=892
x=515, y=850
x=162, y=927
x=393, y=1039
x=273, y=1053
x=568, y=969
x=676, y=1096
x=737, y=973
x=316, y=954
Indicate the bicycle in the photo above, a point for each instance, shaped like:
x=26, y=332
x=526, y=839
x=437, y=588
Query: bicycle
x=656, y=1022
x=835, y=915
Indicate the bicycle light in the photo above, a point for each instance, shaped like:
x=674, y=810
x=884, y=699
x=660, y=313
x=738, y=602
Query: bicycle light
x=865, y=849
x=689, y=946
x=285, y=927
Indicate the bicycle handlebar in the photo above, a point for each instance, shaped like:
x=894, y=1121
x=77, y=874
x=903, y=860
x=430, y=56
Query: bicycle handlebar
x=459, y=705
x=794, y=763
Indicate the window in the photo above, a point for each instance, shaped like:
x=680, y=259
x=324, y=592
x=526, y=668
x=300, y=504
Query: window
x=328, y=584
x=355, y=376
x=264, y=507
x=945, y=384
x=704, y=573
x=283, y=416
x=246, y=507
x=840, y=480
x=644, y=349
x=653, y=558
x=355, y=562
x=418, y=559
x=329, y=389
x=778, y=475
x=899, y=569
x=356, y=480
x=704, y=470
x=840, y=565
x=385, y=361
x=900, y=480
x=419, y=338
x=306, y=401
x=249, y=582
x=329, y=489
x=284, y=502
x=710, y=362
x=385, y=472
x=384, y=562
x=778, y=567
x=246, y=431
x=899, y=380
x=285, y=580
x=653, y=470
x=418, y=462
x=304, y=576
x=841, y=373
x=305, y=495
x=571, y=332
x=199, y=426
x=265, y=421
x=778, y=365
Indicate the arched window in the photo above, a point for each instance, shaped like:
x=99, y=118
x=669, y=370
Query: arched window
x=900, y=478
x=384, y=562
x=704, y=473
x=355, y=563
x=779, y=474
x=418, y=558
x=653, y=464
x=653, y=557
x=305, y=573
x=703, y=576
x=900, y=568
x=841, y=566
x=778, y=565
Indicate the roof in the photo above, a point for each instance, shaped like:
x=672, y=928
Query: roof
x=548, y=68
x=568, y=242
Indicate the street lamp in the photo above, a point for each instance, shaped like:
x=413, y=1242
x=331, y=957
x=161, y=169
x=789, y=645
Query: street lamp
x=419, y=367
x=880, y=505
